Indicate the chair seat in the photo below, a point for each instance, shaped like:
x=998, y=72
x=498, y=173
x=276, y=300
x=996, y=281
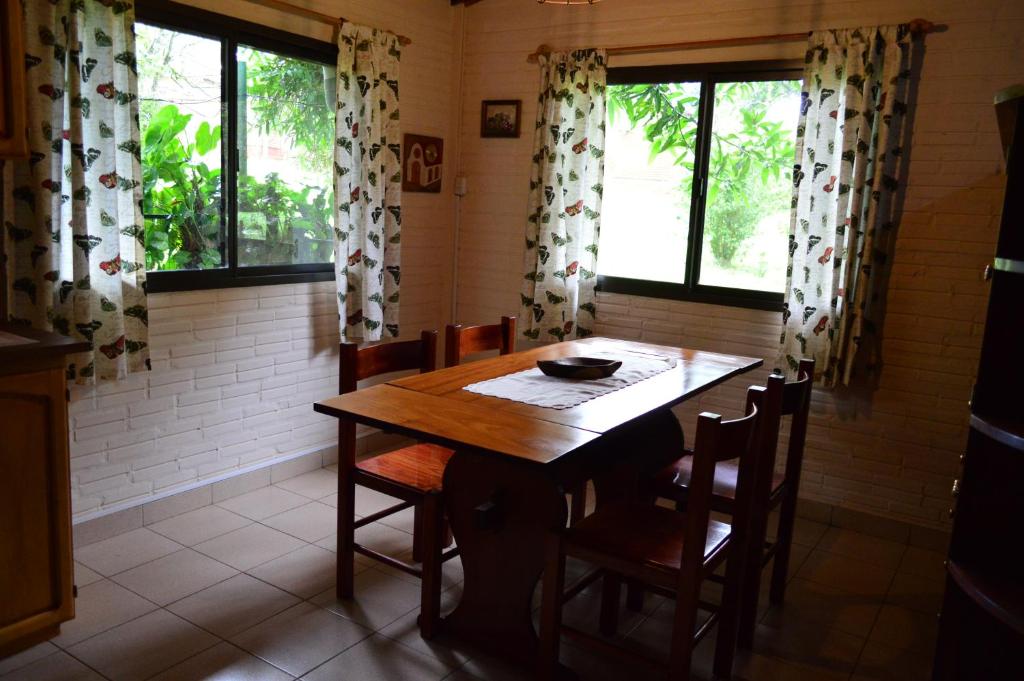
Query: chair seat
x=641, y=534
x=674, y=480
x=419, y=467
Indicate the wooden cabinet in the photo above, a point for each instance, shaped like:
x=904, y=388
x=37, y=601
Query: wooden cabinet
x=13, y=141
x=36, y=568
x=981, y=629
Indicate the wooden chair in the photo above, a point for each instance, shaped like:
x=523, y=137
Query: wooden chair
x=412, y=474
x=669, y=552
x=465, y=340
x=462, y=340
x=772, y=490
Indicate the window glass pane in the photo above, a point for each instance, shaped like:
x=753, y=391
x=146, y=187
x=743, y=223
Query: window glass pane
x=285, y=159
x=180, y=118
x=746, y=216
x=649, y=155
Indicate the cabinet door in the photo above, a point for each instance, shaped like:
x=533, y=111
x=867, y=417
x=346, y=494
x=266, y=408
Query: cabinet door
x=36, y=570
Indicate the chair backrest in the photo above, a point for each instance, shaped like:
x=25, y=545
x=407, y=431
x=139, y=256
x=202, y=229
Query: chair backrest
x=718, y=441
x=358, y=364
x=796, y=402
x=464, y=340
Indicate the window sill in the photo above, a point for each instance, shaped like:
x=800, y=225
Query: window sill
x=198, y=280
x=712, y=295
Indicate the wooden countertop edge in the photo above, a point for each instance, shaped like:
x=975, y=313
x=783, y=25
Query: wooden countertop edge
x=47, y=344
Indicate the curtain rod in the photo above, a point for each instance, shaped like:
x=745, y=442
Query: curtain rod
x=917, y=27
x=289, y=8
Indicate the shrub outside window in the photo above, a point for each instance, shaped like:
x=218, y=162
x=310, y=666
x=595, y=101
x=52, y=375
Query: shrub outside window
x=237, y=128
x=698, y=166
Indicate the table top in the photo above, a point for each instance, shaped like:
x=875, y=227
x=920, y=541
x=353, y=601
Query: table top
x=433, y=407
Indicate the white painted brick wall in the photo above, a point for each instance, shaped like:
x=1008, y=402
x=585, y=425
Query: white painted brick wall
x=236, y=371
x=892, y=452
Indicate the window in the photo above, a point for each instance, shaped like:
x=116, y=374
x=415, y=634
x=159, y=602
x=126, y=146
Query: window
x=698, y=165
x=237, y=131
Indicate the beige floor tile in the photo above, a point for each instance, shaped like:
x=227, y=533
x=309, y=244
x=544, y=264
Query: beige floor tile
x=174, y=576
x=406, y=630
x=84, y=576
x=263, y=503
x=369, y=501
x=125, y=551
x=846, y=573
x=597, y=667
x=832, y=608
x=404, y=520
x=199, y=525
x=914, y=592
x=808, y=532
x=234, y=605
x=305, y=572
x=26, y=657
x=451, y=571
x=313, y=485
x=379, y=600
x=331, y=544
x=380, y=659
x=906, y=629
x=386, y=540
x=880, y=662
x=331, y=500
x=757, y=667
x=300, y=638
x=311, y=522
x=223, y=662
x=157, y=641
x=249, y=546
x=923, y=563
x=101, y=606
x=880, y=552
x=810, y=645
x=57, y=667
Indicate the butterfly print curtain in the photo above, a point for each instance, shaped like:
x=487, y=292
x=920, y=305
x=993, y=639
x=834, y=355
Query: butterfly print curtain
x=842, y=232
x=72, y=212
x=367, y=183
x=565, y=197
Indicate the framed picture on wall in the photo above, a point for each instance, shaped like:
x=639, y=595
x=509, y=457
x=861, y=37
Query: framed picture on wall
x=500, y=117
x=422, y=163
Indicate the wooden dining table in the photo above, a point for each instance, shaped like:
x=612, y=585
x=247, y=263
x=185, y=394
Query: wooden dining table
x=505, y=486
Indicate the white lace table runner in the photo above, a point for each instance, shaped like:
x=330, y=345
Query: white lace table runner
x=533, y=387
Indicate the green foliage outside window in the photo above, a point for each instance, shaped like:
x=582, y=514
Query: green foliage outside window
x=281, y=220
x=746, y=161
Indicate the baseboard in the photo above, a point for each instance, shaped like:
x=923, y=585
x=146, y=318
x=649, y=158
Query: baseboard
x=874, y=525
x=89, y=528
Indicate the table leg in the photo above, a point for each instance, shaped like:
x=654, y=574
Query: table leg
x=502, y=510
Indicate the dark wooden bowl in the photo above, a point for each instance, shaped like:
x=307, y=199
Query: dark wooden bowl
x=579, y=368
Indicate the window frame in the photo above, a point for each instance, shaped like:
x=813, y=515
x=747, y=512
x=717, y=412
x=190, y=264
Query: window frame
x=232, y=32
x=708, y=75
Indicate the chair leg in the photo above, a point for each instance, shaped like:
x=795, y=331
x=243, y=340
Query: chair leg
x=611, y=591
x=447, y=539
x=634, y=595
x=750, y=583
x=684, y=624
x=729, y=615
x=551, y=606
x=431, y=531
x=346, y=535
x=417, y=533
x=579, y=504
x=780, y=570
